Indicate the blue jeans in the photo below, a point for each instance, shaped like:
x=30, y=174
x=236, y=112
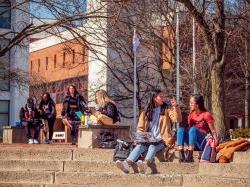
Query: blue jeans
x=192, y=137
x=141, y=148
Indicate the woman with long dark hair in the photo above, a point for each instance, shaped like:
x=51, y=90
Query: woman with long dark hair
x=73, y=103
x=200, y=123
x=47, y=110
x=156, y=120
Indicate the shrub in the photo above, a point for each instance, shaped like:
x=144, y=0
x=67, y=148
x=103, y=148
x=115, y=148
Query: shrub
x=244, y=133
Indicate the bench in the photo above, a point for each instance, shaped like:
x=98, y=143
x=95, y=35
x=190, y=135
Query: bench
x=88, y=137
x=18, y=135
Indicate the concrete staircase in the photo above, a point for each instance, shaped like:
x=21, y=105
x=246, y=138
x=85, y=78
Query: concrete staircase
x=59, y=165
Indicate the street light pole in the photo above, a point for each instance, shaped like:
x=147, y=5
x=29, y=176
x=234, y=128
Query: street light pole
x=177, y=57
x=194, y=63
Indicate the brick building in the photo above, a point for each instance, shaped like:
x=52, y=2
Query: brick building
x=54, y=65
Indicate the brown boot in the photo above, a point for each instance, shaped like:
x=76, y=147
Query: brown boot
x=190, y=157
x=152, y=166
x=133, y=165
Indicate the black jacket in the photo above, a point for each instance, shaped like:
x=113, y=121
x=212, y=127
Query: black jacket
x=48, y=109
x=111, y=111
x=80, y=103
x=24, y=114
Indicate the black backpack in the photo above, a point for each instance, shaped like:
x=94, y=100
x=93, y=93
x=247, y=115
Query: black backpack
x=106, y=140
x=122, y=150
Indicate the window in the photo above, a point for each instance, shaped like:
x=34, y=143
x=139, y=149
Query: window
x=5, y=14
x=73, y=57
x=54, y=61
x=47, y=63
x=39, y=64
x=31, y=66
x=83, y=54
x=4, y=114
x=4, y=68
x=64, y=57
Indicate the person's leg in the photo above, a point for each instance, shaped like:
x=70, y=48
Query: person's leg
x=130, y=161
x=51, y=128
x=36, y=126
x=74, y=132
x=152, y=150
x=28, y=133
x=201, y=140
x=136, y=152
x=182, y=137
x=192, y=133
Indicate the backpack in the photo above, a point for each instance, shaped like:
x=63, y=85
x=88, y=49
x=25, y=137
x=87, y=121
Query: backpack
x=122, y=150
x=106, y=140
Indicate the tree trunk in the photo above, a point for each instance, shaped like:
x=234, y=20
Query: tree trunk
x=217, y=99
x=246, y=89
x=246, y=103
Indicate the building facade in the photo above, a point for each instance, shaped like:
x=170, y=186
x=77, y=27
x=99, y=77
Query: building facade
x=12, y=98
x=55, y=65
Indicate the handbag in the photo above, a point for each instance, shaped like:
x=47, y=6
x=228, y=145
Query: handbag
x=122, y=150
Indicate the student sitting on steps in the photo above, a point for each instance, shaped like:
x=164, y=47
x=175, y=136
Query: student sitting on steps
x=200, y=123
x=31, y=118
x=156, y=120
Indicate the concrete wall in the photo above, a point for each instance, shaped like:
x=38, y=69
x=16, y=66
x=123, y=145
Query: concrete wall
x=18, y=59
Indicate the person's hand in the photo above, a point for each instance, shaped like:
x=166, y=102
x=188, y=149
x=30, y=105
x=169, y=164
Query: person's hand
x=173, y=102
x=135, y=142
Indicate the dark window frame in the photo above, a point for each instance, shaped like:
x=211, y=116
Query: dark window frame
x=64, y=59
x=8, y=10
x=8, y=110
x=8, y=59
x=47, y=63
x=55, y=58
x=73, y=56
x=39, y=65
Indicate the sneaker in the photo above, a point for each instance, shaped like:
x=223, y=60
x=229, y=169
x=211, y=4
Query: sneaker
x=122, y=165
x=50, y=141
x=36, y=141
x=30, y=141
x=142, y=166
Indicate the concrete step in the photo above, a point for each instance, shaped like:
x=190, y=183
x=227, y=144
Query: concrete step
x=242, y=157
x=30, y=165
x=120, y=180
x=89, y=166
x=93, y=154
x=8, y=178
x=163, y=168
x=35, y=154
x=65, y=179
x=58, y=154
x=69, y=153
x=20, y=185
x=225, y=170
x=35, y=177
x=211, y=181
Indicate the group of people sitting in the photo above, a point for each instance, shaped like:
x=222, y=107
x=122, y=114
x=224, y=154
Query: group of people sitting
x=157, y=119
x=33, y=117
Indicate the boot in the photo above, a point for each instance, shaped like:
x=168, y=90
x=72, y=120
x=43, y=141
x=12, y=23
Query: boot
x=152, y=166
x=133, y=165
x=190, y=157
x=181, y=156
